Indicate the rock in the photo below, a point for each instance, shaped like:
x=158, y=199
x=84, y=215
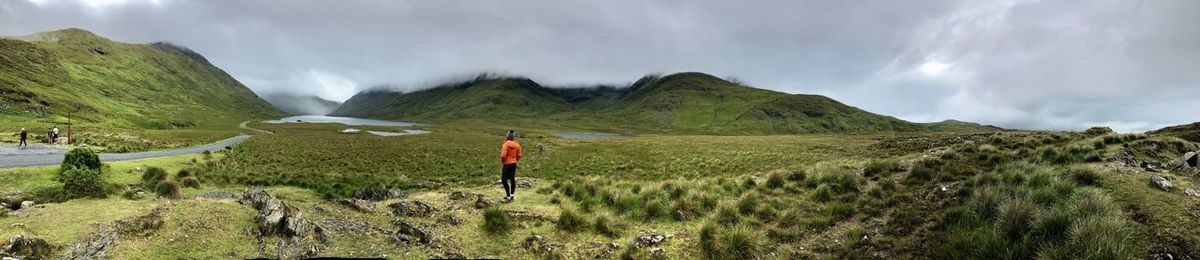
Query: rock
x=1192, y=192
x=458, y=195
x=450, y=219
x=276, y=218
x=481, y=202
x=1161, y=182
x=28, y=247
x=379, y=193
x=540, y=247
x=525, y=183
x=358, y=204
x=217, y=195
x=28, y=204
x=411, y=233
x=1191, y=159
x=650, y=240
x=412, y=208
x=658, y=252
x=1151, y=165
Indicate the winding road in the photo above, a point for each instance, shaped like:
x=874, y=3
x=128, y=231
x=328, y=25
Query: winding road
x=42, y=156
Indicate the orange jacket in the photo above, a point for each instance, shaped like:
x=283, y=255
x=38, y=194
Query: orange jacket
x=510, y=152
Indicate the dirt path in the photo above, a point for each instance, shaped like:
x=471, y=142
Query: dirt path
x=43, y=159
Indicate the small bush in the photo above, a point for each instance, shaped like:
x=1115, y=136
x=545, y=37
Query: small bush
x=82, y=158
x=167, y=189
x=82, y=182
x=153, y=175
x=184, y=173
x=571, y=221
x=191, y=182
x=496, y=222
x=1098, y=131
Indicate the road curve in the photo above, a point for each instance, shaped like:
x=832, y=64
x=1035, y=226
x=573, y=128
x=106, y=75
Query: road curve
x=27, y=160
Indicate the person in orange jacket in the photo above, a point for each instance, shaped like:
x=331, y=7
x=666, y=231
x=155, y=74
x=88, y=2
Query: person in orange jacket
x=510, y=154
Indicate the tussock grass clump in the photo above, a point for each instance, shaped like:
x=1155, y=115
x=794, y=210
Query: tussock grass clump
x=822, y=193
x=571, y=221
x=496, y=222
x=1084, y=176
x=191, y=182
x=737, y=242
x=1016, y=217
x=881, y=168
x=727, y=216
x=748, y=203
x=167, y=189
x=184, y=173
x=655, y=209
x=776, y=178
x=153, y=175
x=606, y=226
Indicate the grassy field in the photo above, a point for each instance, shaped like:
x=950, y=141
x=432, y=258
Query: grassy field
x=865, y=196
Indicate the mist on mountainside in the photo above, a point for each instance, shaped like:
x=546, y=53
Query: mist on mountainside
x=302, y=105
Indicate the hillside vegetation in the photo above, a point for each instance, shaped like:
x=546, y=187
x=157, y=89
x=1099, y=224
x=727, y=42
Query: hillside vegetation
x=678, y=103
x=112, y=85
x=1190, y=132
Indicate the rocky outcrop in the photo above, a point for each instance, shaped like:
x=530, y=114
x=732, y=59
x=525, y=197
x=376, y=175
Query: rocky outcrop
x=408, y=233
x=358, y=204
x=379, y=193
x=23, y=247
x=414, y=208
x=96, y=245
x=276, y=218
x=1161, y=182
x=538, y=245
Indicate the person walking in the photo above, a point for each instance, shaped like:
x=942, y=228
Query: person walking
x=24, y=135
x=510, y=154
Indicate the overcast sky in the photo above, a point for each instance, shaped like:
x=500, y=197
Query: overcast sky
x=1064, y=65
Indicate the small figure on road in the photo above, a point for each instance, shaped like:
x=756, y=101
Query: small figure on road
x=510, y=153
x=24, y=135
x=55, y=131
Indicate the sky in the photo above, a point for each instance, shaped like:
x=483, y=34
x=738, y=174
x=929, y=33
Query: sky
x=1048, y=65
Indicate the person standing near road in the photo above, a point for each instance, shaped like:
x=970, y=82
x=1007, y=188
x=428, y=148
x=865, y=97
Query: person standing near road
x=24, y=135
x=55, y=131
x=510, y=154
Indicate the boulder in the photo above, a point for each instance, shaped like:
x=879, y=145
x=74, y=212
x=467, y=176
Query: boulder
x=276, y=218
x=28, y=204
x=1192, y=192
x=458, y=195
x=28, y=247
x=411, y=233
x=650, y=240
x=1191, y=159
x=1151, y=165
x=481, y=202
x=1161, y=182
x=358, y=204
x=379, y=193
x=414, y=208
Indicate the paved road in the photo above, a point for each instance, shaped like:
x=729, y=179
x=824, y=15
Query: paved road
x=40, y=158
x=243, y=126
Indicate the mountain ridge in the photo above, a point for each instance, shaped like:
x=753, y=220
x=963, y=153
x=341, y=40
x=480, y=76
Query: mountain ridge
x=688, y=102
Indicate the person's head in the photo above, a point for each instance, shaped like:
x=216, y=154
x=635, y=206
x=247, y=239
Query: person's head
x=22, y=129
x=510, y=135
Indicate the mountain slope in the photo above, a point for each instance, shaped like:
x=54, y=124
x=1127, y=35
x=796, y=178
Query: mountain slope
x=1190, y=132
x=302, y=105
x=678, y=103
x=140, y=86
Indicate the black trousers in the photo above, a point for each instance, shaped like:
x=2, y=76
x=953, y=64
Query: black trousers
x=23, y=142
x=508, y=178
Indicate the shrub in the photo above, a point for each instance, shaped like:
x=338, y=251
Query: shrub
x=496, y=222
x=1098, y=131
x=191, y=182
x=571, y=221
x=167, y=189
x=153, y=175
x=604, y=225
x=184, y=173
x=82, y=182
x=82, y=158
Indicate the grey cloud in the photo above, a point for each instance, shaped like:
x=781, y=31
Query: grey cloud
x=1021, y=64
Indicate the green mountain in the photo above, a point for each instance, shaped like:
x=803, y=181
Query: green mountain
x=678, y=103
x=302, y=105
x=109, y=84
x=1190, y=132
